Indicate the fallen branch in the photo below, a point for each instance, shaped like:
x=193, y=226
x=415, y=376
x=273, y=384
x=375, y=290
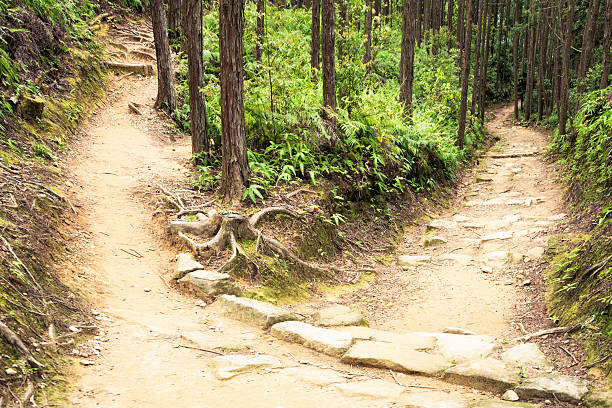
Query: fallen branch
x=27, y=270
x=554, y=330
x=50, y=191
x=298, y=191
x=16, y=342
x=200, y=349
x=134, y=109
x=598, y=361
x=569, y=354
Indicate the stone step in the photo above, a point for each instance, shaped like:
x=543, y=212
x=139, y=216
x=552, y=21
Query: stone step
x=208, y=284
x=396, y=357
x=487, y=374
x=229, y=366
x=411, y=340
x=338, y=315
x=252, y=311
x=327, y=341
x=554, y=386
x=460, y=348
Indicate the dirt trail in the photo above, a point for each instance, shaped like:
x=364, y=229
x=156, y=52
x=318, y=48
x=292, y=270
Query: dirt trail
x=143, y=361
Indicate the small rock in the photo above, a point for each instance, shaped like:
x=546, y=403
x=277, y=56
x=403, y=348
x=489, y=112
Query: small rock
x=209, y=283
x=74, y=329
x=458, y=330
x=10, y=371
x=497, y=236
x=433, y=240
x=413, y=260
x=486, y=269
x=185, y=263
x=483, y=179
x=87, y=362
x=497, y=258
x=509, y=282
x=527, y=282
x=510, y=396
x=147, y=289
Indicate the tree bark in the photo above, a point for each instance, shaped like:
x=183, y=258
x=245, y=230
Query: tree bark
x=407, y=56
x=174, y=17
x=315, y=37
x=259, y=30
x=530, y=62
x=191, y=13
x=234, y=166
x=449, y=23
x=542, y=60
x=367, y=56
x=465, y=75
x=329, y=68
x=485, y=61
x=588, y=44
x=479, y=34
x=515, y=45
x=605, y=48
x=166, y=95
x=565, y=63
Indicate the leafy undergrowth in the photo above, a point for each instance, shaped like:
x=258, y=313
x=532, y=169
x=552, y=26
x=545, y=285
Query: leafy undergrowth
x=48, y=57
x=581, y=272
x=381, y=152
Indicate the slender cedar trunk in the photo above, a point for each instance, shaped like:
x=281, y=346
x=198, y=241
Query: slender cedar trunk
x=377, y=10
x=588, y=44
x=449, y=23
x=479, y=33
x=530, y=62
x=419, y=21
x=550, y=57
x=191, y=13
x=174, y=17
x=234, y=164
x=485, y=62
x=558, y=58
x=329, y=69
x=565, y=64
x=515, y=58
x=542, y=61
x=259, y=30
x=342, y=22
x=460, y=26
x=465, y=75
x=166, y=96
x=499, y=33
x=426, y=20
x=367, y=57
x=315, y=38
x=605, y=48
x=407, y=56
x=436, y=7
x=386, y=10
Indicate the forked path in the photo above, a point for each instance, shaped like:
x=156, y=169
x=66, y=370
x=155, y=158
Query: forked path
x=151, y=349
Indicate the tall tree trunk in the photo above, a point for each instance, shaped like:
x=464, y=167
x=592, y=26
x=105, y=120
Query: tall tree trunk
x=460, y=28
x=329, y=68
x=315, y=37
x=605, y=48
x=485, y=61
x=407, y=56
x=515, y=59
x=499, y=32
x=465, y=75
x=419, y=21
x=542, y=60
x=557, y=61
x=477, y=47
x=426, y=20
x=449, y=23
x=377, y=10
x=367, y=57
x=588, y=44
x=260, y=29
x=191, y=14
x=166, y=96
x=174, y=17
x=565, y=64
x=530, y=61
x=234, y=165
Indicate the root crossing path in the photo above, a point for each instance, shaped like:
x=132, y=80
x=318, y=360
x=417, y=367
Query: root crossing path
x=156, y=347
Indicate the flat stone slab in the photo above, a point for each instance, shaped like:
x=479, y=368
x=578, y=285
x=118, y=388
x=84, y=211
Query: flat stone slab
x=502, y=404
x=461, y=347
x=185, y=263
x=528, y=355
x=205, y=340
x=487, y=374
x=209, y=284
x=501, y=235
x=496, y=258
x=395, y=357
x=462, y=259
x=229, y=366
x=370, y=388
x=413, y=260
x=328, y=341
x=599, y=398
x=338, y=315
x=433, y=399
x=439, y=224
x=433, y=240
x=535, y=252
x=252, y=311
x=458, y=330
x=314, y=375
x=563, y=387
x=460, y=218
x=410, y=340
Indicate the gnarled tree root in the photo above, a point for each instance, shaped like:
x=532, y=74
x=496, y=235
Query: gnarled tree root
x=16, y=342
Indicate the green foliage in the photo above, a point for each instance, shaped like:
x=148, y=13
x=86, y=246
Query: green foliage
x=380, y=150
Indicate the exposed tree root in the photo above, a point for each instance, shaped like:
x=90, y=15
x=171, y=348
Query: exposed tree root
x=230, y=228
x=16, y=342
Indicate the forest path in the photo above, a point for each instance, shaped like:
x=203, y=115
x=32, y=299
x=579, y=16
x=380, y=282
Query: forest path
x=150, y=350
